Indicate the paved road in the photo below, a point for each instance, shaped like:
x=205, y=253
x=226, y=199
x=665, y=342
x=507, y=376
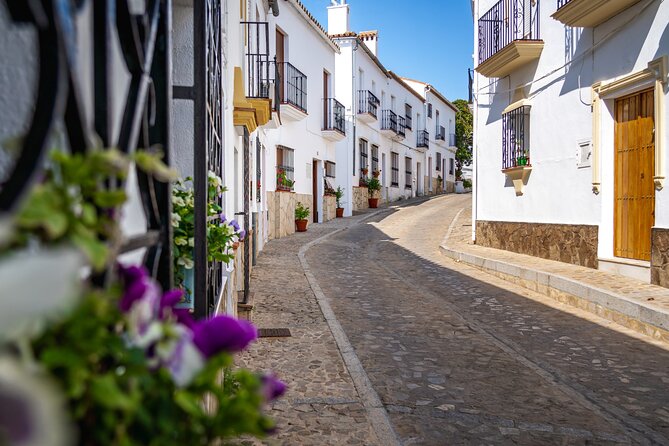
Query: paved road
x=460, y=357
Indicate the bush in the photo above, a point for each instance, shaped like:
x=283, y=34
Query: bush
x=467, y=183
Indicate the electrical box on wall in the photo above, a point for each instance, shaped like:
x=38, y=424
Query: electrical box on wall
x=584, y=154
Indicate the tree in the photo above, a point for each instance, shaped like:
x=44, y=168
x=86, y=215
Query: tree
x=464, y=128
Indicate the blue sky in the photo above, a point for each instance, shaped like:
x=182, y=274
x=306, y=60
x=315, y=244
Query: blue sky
x=428, y=40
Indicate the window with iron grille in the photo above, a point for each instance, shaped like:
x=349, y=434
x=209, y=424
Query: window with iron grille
x=375, y=158
x=395, y=169
x=408, y=112
x=451, y=166
x=364, y=163
x=407, y=173
x=516, y=137
x=285, y=168
x=429, y=110
x=330, y=169
x=438, y=162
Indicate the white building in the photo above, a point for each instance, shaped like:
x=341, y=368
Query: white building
x=386, y=118
x=570, y=132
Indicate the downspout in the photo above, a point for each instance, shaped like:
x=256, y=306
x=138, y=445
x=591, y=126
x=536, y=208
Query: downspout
x=354, y=115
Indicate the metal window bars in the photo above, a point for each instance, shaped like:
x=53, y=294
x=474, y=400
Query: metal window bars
x=330, y=169
x=408, y=112
x=368, y=103
x=364, y=162
x=438, y=166
x=516, y=138
x=335, y=116
x=440, y=133
x=294, y=86
x=401, y=126
x=389, y=120
x=506, y=22
x=561, y=3
x=395, y=169
x=375, y=158
x=408, y=174
x=423, y=138
x=451, y=139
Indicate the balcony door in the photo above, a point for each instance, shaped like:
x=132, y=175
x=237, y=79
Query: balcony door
x=634, y=166
x=280, y=58
x=328, y=120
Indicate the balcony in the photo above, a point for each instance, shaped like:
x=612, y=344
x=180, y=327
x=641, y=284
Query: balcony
x=401, y=127
x=451, y=140
x=368, y=105
x=293, y=92
x=422, y=139
x=390, y=125
x=589, y=13
x=334, y=122
x=253, y=103
x=509, y=37
x=440, y=133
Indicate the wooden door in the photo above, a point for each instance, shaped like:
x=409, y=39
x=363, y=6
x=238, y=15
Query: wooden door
x=280, y=58
x=634, y=188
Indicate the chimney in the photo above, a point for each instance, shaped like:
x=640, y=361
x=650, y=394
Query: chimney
x=371, y=40
x=338, y=17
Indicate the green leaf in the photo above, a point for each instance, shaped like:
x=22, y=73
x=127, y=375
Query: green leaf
x=96, y=250
x=189, y=403
x=89, y=215
x=109, y=198
x=153, y=165
x=106, y=392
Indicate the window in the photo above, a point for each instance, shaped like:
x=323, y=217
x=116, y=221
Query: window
x=429, y=110
x=451, y=166
x=375, y=158
x=364, y=164
x=516, y=137
x=285, y=169
x=436, y=118
x=259, y=158
x=330, y=169
x=392, y=103
x=408, y=113
x=407, y=172
x=438, y=162
x=395, y=168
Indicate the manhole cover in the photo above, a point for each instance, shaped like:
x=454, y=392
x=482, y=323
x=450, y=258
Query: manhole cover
x=273, y=333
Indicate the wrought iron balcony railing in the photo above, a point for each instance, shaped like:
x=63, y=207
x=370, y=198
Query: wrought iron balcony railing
x=440, y=133
x=423, y=138
x=293, y=86
x=451, y=139
x=368, y=102
x=335, y=114
x=389, y=120
x=401, y=126
x=506, y=22
x=258, y=65
x=561, y=3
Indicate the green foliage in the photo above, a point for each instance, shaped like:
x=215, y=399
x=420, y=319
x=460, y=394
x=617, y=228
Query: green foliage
x=373, y=185
x=220, y=235
x=76, y=203
x=114, y=396
x=301, y=212
x=467, y=183
x=282, y=180
x=339, y=194
x=464, y=130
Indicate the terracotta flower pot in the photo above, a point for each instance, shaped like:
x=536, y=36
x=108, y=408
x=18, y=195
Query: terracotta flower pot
x=340, y=212
x=235, y=245
x=376, y=174
x=373, y=202
x=301, y=225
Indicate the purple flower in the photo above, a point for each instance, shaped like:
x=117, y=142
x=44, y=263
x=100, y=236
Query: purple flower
x=272, y=387
x=132, y=274
x=235, y=225
x=169, y=300
x=184, y=317
x=242, y=234
x=133, y=293
x=223, y=334
x=222, y=217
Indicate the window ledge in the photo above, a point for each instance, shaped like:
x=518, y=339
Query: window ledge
x=519, y=176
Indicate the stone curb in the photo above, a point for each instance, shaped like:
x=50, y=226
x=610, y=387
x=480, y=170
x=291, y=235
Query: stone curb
x=376, y=411
x=636, y=315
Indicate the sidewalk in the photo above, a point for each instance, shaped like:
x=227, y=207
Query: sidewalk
x=634, y=304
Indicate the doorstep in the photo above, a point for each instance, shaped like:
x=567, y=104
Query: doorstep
x=629, y=302
x=634, y=269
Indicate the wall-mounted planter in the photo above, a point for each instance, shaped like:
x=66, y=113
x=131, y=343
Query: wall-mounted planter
x=518, y=175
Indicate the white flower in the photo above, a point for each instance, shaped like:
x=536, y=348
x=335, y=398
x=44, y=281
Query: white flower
x=181, y=357
x=191, y=242
x=186, y=263
x=176, y=218
x=215, y=179
x=37, y=285
x=178, y=201
x=33, y=412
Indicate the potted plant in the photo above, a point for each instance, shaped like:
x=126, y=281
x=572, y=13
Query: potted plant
x=339, y=194
x=376, y=173
x=521, y=160
x=373, y=187
x=440, y=183
x=364, y=171
x=283, y=182
x=301, y=214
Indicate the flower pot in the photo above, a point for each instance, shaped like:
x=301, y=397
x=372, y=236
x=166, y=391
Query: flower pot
x=188, y=287
x=340, y=212
x=301, y=225
x=376, y=174
x=373, y=202
x=235, y=245
x=459, y=187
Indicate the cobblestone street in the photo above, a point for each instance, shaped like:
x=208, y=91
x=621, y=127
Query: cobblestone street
x=455, y=355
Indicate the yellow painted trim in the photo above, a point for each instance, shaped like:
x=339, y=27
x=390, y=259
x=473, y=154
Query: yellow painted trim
x=517, y=105
x=518, y=175
x=590, y=13
x=511, y=57
x=262, y=109
x=244, y=113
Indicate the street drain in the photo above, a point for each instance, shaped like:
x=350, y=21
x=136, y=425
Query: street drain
x=273, y=333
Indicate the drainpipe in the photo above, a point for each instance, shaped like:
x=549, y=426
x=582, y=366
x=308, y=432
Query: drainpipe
x=354, y=115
